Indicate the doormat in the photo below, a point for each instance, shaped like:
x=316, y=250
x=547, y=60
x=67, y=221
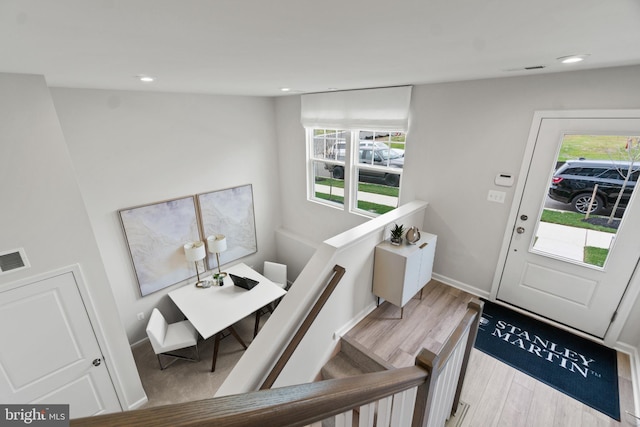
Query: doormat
x=582, y=369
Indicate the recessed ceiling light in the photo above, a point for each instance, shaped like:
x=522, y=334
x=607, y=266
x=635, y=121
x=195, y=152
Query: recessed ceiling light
x=572, y=59
x=285, y=89
x=145, y=79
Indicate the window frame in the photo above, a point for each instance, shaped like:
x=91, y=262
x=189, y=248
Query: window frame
x=351, y=167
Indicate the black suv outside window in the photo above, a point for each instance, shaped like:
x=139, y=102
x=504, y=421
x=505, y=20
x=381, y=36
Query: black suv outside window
x=612, y=174
x=585, y=171
x=575, y=181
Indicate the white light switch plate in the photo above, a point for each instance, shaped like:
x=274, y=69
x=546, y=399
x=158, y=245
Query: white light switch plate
x=496, y=196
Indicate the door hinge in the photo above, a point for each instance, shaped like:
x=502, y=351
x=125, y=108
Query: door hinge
x=615, y=314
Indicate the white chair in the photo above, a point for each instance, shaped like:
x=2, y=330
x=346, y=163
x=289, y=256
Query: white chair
x=166, y=338
x=277, y=273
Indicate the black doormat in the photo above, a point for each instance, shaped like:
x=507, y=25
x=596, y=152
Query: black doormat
x=582, y=369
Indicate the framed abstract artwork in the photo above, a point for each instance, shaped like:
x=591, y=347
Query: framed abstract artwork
x=229, y=212
x=156, y=234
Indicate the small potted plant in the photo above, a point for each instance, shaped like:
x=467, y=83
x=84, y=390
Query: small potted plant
x=396, y=234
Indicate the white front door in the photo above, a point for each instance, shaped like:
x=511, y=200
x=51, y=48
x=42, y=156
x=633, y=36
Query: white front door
x=50, y=354
x=545, y=271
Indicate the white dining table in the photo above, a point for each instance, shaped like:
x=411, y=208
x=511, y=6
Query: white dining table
x=215, y=309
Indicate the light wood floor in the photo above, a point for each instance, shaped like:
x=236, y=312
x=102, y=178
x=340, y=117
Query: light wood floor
x=498, y=395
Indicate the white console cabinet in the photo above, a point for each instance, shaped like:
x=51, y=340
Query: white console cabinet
x=399, y=272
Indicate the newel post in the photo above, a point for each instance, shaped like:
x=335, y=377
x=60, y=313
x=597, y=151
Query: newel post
x=428, y=361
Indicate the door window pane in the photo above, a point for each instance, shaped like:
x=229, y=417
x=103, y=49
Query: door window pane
x=587, y=197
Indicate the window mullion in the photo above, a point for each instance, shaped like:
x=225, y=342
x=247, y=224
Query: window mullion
x=348, y=166
x=310, y=163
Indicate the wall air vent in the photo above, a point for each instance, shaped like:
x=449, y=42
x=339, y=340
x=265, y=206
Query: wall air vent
x=13, y=260
x=529, y=68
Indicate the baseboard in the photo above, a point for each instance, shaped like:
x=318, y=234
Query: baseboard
x=634, y=361
x=462, y=286
x=353, y=322
x=137, y=343
x=139, y=403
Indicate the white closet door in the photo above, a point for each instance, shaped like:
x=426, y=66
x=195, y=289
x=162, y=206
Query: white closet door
x=50, y=354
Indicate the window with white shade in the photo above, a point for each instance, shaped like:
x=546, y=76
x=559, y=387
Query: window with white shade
x=356, y=143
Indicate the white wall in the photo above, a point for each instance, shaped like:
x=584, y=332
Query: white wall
x=466, y=133
x=134, y=148
x=43, y=212
x=460, y=136
x=296, y=250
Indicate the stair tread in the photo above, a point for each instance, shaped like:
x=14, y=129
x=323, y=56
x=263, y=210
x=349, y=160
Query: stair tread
x=367, y=359
x=341, y=366
x=353, y=359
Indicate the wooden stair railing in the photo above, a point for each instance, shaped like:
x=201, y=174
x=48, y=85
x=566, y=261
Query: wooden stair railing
x=297, y=405
x=302, y=405
x=338, y=272
x=439, y=396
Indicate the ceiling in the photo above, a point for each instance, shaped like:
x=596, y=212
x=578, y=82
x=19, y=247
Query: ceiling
x=257, y=47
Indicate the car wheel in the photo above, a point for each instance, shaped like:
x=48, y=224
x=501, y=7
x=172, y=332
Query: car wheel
x=392, y=179
x=337, y=172
x=581, y=203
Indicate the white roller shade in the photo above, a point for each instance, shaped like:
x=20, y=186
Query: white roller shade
x=378, y=109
